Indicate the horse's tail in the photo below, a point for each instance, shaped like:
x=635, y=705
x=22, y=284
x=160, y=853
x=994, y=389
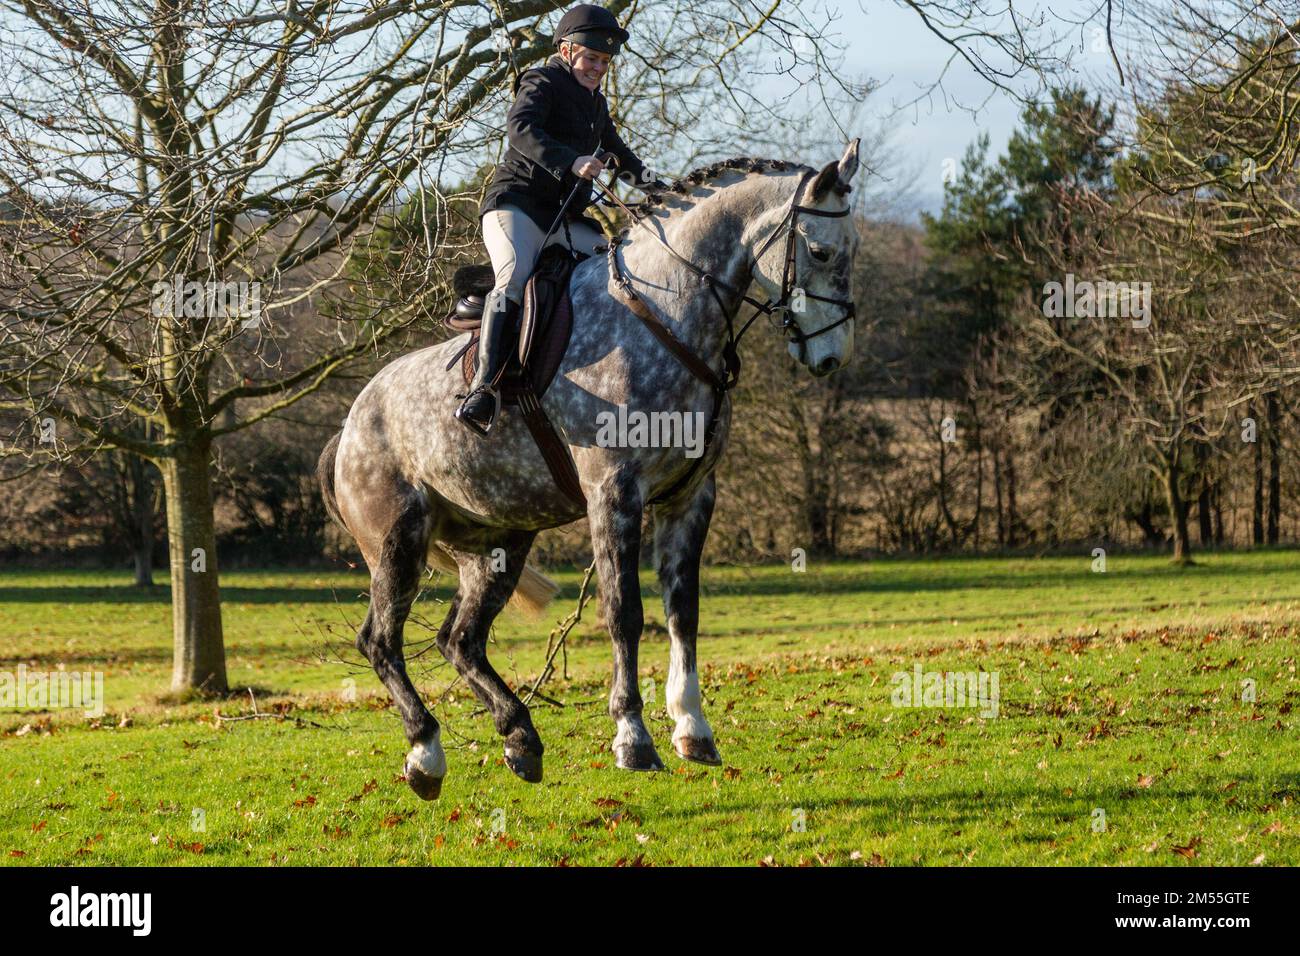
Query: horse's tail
x=533, y=592
x=325, y=475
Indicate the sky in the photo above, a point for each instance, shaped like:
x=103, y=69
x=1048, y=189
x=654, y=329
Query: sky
x=889, y=43
x=892, y=45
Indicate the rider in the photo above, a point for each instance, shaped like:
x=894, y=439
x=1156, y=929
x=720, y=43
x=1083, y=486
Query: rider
x=558, y=127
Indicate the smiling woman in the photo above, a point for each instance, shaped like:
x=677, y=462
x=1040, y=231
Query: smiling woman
x=587, y=66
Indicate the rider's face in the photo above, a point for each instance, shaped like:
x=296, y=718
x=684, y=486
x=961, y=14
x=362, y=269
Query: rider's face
x=589, y=66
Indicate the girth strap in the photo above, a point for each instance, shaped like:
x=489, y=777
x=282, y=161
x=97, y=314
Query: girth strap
x=553, y=448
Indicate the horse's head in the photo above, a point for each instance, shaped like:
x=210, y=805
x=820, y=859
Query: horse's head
x=804, y=263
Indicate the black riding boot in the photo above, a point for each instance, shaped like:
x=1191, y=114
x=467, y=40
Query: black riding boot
x=497, y=336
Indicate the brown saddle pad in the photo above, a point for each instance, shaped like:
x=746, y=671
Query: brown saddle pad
x=545, y=329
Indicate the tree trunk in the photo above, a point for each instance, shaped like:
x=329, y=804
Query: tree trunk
x=1152, y=536
x=944, y=511
x=997, y=497
x=979, y=487
x=816, y=507
x=1203, y=514
x=1178, y=512
x=1274, y=469
x=1257, y=518
x=817, y=524
x=198, y=654
x=142, y=555
x=1218, y=513
x=1204, y=528
x=1013, y=520
x=144, y=506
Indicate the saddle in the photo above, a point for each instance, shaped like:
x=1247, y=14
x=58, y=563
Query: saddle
x=545, y=328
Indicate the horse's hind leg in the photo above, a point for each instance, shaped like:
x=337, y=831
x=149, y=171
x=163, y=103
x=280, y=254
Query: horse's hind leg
x=486, y=583
x=680, y=530
x=395, y=574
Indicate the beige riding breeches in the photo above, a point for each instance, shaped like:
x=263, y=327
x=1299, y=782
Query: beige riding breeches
x=513, y=241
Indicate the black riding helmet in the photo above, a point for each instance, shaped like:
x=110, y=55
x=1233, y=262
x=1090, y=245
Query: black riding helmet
x=593, y=27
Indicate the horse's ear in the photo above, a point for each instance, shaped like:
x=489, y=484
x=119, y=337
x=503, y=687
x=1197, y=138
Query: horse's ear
x=828, y=177
x=848, y=164
x=838, y=174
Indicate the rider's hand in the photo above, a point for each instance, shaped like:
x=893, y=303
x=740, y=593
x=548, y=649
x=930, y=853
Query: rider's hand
x=588, y=167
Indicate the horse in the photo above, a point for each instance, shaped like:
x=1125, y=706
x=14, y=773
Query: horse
x=653, y=330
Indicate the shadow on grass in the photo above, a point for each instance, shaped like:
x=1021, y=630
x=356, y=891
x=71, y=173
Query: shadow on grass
x=876, y=577
x=977, y=805
x=162, y=596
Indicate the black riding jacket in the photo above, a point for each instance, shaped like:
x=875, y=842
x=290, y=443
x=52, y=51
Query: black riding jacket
x=553, y=121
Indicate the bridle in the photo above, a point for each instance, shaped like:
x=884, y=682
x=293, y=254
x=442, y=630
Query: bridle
x=789, y=280
x=778, y=307
x=721, y=384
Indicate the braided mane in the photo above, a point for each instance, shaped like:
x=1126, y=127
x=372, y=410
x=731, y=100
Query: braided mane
x=654, y=200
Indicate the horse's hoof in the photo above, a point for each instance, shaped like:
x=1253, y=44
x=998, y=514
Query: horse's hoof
x=698, y=750
x=526, y=766
x=637, y=757
x=426, y=765
x=426, y=787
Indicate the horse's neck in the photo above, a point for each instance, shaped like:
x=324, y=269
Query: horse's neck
x=711, y=234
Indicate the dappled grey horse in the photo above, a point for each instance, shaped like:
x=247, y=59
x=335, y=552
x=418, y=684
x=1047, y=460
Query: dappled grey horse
x=653, y=331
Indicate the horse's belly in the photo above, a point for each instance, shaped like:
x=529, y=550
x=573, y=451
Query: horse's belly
x=500, y=480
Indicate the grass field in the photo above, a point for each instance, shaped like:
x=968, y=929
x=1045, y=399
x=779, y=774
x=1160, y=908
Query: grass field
x=1122, y=735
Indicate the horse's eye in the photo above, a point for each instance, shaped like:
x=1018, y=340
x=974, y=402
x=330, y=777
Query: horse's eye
x=820, y=253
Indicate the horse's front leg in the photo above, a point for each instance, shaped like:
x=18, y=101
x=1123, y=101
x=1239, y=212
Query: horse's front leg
x=614, y=511
x=680, y=531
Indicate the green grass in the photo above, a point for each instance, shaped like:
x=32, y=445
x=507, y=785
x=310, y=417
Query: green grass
x=1120, y=693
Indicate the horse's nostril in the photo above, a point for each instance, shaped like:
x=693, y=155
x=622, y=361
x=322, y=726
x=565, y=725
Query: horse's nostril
x=828, y=364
